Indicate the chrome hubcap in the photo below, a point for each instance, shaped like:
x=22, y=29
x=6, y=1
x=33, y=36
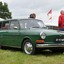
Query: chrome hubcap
x=28, y=47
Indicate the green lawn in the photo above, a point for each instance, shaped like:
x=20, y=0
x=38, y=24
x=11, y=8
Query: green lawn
x=17, y=57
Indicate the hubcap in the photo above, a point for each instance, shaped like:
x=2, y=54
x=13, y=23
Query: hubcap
x=28, y=48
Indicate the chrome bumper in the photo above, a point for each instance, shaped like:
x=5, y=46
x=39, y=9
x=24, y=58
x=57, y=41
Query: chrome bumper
x=49, y=45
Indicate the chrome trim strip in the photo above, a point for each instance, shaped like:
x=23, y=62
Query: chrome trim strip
x=11, y=46
x=49, y=45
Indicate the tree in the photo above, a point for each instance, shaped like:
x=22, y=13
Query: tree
x=4, y=11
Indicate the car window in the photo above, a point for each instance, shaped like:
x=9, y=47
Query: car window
x=0, y=25
x=22, y=24
x=14, y=25
x=5, y=25
x=31, y=24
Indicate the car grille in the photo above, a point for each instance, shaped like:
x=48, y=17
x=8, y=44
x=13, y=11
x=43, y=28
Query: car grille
x=55, y=39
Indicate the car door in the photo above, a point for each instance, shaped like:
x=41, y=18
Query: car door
x=1, y=32
x=4, y=32
x=11, y=37
x=14, y=32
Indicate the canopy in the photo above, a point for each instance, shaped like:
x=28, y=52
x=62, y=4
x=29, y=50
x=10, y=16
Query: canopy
x=1, y=19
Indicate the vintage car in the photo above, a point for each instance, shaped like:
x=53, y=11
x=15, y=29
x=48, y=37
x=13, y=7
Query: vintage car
x=30, y=35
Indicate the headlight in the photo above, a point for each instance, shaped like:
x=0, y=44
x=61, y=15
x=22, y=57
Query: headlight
x=43, y=35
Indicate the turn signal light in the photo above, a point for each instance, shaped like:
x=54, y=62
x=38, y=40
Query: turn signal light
x=39, y=41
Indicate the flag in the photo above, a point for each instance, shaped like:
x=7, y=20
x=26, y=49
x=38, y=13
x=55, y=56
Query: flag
x=49, y=14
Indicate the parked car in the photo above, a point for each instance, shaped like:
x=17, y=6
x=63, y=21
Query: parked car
x=30, y=35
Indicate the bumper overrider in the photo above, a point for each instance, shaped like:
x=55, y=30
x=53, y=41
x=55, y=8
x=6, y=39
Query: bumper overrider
x=49, y=45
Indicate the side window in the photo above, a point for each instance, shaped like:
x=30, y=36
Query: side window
x=0, y=25
x=14, y=25
x=23, y=24
x=5, y=25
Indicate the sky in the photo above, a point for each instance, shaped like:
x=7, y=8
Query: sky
x=23, y=8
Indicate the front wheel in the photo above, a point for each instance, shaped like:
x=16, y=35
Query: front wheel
x=28, y=47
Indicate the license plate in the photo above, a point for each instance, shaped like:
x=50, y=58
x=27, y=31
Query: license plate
x=59, y=39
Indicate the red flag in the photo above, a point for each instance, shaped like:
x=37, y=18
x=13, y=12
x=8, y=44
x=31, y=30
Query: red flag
x=49, y=14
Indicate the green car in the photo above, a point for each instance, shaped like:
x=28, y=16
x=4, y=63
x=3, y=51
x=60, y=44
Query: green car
x=30, y=35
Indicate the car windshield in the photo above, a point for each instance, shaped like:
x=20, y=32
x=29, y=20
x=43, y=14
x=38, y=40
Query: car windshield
x=32, y=24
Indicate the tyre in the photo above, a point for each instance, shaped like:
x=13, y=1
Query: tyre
x=0, y=46
x=28, y=47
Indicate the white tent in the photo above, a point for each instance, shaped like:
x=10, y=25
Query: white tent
x=1, y=19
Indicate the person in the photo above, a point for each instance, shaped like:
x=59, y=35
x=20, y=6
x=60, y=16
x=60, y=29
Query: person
x=33, y=15
x=61, y=21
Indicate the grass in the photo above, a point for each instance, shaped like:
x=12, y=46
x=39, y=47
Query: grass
x=17, y=57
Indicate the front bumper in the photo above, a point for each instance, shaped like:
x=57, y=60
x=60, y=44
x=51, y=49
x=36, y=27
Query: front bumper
x=49, y=45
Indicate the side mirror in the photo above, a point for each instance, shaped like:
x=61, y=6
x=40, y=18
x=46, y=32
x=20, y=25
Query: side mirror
x=15, y=27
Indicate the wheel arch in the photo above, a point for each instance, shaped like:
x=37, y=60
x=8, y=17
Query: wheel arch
x=25, y=38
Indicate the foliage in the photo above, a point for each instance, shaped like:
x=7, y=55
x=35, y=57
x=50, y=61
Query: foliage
x=4, y=11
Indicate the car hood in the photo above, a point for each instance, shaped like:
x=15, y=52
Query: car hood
x=47, y=31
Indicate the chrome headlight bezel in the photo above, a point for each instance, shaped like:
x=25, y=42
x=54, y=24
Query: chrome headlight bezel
x=42, y=35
